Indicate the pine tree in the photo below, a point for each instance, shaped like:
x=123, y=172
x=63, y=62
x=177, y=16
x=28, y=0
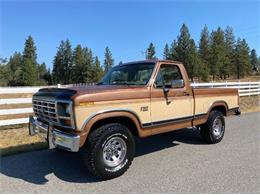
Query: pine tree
x=184, y=50
x=15, y=66
x=79, y=61
x=253, y=59
x=173, y=52
x=150, y=52
x=48, y=77
x=230, y=49
x=4, y=72
x=242, y=58
x=108, y=61
x=204, y=54
x=258, y=63
x=62, y=64
x=88, y=68
x=204, y=45
x=218, y=55
x=29, y=74
x=42, y=74
x=166, y=52
x=97, y=71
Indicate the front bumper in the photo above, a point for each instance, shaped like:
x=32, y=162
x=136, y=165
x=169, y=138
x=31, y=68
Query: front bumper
x=53, y=136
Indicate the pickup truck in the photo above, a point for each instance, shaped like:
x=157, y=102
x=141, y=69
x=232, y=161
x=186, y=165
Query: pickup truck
x=141, y=99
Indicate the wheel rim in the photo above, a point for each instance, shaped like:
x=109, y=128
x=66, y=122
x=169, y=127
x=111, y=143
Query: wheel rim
x=114, y=151
x=218, y=127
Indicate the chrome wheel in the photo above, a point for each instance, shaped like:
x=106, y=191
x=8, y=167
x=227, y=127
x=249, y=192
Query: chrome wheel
x=114, y=151
x=218, y=127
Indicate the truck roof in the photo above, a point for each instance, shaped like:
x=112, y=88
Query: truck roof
x=151, y=61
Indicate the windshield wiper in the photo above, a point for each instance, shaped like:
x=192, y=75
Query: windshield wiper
x=100, y=83
x=123, y=83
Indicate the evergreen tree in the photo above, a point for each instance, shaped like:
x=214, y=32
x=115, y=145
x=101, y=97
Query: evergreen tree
x=48, y=77
x=88, y=71
x=230, y=49
x=4, y=73
x=218, y=55
x=97, y=71
x=29, y=74
x=173, y=52
x=204, y=45
x=242, y=58
x=184, y=50
x=83, y=66
x=79, y=63
x=150, y=52
x=166, y=52
x=15, y=66
x=258, y=64
x=253, y=59
x=62, y=64
x=108, y=61
x=42, y=74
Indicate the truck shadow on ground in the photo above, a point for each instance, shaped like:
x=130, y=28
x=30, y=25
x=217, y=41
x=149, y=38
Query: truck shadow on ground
x=37, y=167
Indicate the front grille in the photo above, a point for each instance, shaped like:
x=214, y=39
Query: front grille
x=45, y=110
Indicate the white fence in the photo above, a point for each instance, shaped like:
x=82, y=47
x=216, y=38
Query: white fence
x=245, y=89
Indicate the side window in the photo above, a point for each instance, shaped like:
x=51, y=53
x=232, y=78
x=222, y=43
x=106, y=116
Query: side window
x=169, y=76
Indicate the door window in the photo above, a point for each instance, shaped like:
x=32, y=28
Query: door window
x=169, y=76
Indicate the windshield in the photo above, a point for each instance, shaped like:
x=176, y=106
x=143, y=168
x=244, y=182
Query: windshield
x=129, y=74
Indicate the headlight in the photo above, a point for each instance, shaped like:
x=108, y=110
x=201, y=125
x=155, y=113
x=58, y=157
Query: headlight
x=64, y=109
x=64, y=113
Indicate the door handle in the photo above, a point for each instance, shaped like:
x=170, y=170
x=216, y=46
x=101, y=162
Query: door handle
x=186, y=93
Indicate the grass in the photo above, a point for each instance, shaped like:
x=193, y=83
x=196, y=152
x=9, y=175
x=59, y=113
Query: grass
x=18, y=140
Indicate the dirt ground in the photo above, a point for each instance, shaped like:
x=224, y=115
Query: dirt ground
x=250, y=104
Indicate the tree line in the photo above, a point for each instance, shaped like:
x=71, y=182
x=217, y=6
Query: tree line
x=219, y=55
x=78, y=65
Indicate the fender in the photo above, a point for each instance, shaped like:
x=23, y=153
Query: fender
x=105, y=114
x=218, y=103
x=202, y=118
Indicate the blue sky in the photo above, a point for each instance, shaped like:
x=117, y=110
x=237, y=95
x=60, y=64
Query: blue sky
x=127, y=27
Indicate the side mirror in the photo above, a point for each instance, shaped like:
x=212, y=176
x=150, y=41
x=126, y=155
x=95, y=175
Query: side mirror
x=166, y=90
x=177, y=83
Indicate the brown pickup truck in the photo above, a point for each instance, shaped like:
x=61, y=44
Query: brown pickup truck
x=133, y=99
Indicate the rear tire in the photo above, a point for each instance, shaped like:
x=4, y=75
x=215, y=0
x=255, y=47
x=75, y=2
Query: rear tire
x=214, y=129
x=109, y=151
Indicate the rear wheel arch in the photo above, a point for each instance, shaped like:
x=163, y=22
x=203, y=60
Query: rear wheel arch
x=220, y=106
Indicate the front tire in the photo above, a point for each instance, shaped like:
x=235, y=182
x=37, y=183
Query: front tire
x=109, y=151
x=214, y=129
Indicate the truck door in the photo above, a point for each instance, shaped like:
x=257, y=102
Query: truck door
x=171, y=97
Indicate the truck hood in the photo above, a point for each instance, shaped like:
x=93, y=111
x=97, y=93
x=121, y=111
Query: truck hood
x=98, y=93
x=94, y=93
x=55, y=93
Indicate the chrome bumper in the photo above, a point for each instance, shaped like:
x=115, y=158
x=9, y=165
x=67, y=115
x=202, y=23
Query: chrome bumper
x=54, y=137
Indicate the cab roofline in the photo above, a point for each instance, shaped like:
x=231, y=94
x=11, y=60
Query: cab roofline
x=149, y=61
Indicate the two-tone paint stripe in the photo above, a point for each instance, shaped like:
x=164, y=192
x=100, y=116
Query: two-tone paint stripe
x=174, y=120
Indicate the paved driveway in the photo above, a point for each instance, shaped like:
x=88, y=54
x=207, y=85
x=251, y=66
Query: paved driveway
x=176, y=162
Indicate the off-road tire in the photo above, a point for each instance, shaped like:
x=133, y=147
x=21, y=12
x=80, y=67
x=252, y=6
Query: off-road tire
x=93, y=151
x=207, y=129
